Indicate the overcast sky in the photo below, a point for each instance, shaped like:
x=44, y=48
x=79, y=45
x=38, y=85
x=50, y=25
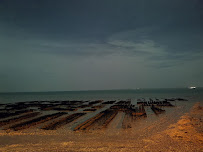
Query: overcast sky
x=53, y=45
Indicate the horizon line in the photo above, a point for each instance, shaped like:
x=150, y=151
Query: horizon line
x=93, y=90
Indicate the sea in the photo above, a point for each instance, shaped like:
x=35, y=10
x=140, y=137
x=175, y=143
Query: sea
x=192, y=95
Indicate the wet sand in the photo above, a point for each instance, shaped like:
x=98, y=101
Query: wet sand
x=171, y=131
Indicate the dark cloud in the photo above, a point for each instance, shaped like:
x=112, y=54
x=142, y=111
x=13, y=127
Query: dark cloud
x=97, y=19
x=59, y=39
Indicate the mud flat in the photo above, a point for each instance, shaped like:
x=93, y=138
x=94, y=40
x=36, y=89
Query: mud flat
x=16, y=119
x=101, y=120
x=157, y=110
x=131, y=114
x=127, y=121
x=36, y=121
x=166, y=132
x=61, y=122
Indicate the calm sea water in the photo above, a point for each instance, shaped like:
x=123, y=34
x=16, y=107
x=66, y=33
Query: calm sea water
x=191, y=95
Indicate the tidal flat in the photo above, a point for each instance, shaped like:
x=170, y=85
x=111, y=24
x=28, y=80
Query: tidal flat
x=147, y=125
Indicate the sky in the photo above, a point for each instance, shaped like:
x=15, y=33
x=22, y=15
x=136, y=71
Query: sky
x=63, y=45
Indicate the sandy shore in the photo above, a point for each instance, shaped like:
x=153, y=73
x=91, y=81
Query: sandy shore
x=162, y=134
x=185, y=135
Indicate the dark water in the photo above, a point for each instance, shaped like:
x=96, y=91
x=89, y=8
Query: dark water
x=191, y=95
